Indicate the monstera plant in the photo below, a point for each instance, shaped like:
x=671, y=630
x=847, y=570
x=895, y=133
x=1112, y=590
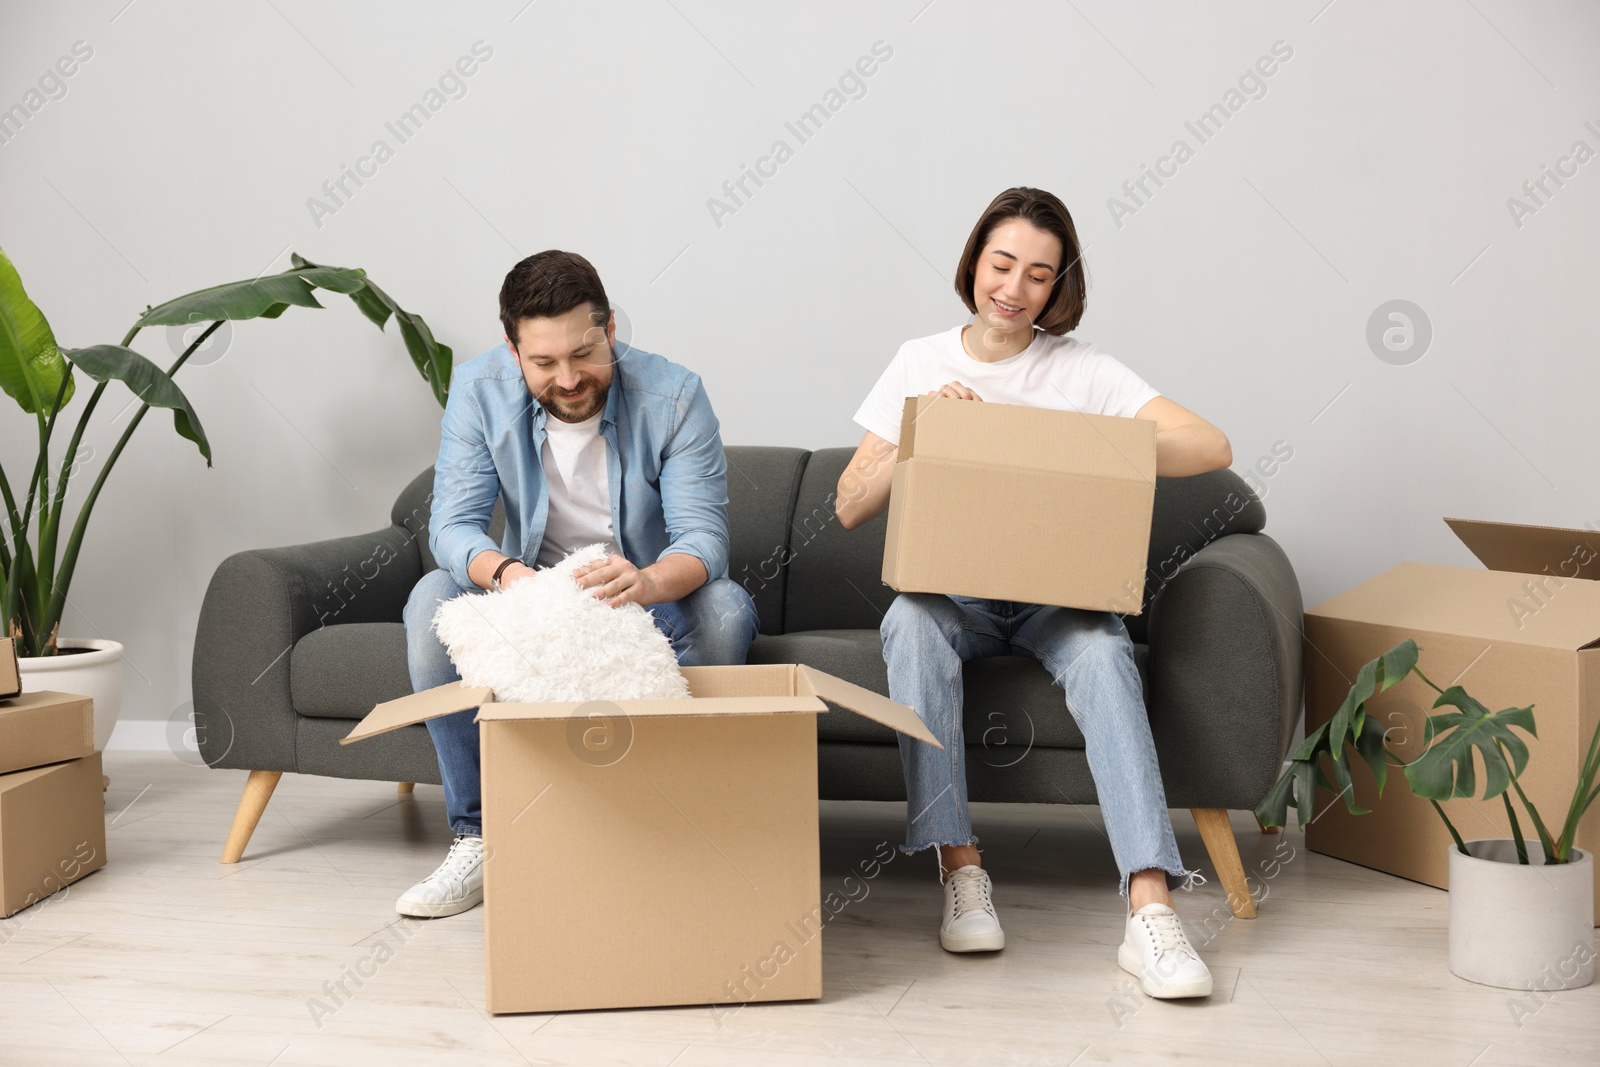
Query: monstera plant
x=43, y=536
x=1520, y=918
x=1455, y=741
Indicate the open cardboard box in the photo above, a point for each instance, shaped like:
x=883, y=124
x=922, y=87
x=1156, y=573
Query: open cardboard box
x=1020, y=503
x=652, y=852
x=1525, y=631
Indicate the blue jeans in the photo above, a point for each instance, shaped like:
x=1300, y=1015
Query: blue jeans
x=712, y=626
x=926, y=639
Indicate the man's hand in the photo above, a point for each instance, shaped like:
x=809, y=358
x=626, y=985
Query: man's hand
x=618, y=582
x=954, y=391
x=518, y=571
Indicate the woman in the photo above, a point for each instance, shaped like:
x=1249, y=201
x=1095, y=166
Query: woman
x=1021, y=275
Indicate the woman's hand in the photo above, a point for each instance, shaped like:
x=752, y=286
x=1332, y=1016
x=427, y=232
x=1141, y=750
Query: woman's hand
x=954, y=391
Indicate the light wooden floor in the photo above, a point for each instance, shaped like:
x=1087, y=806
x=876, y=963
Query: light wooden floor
x=168, y=957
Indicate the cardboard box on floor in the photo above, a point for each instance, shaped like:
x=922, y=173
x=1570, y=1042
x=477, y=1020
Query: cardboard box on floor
x=1020, y=503
x=1525, y=631
x=652, y=852
x=52, y=813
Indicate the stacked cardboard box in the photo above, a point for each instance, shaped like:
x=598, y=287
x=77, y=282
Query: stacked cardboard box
x=1524, y=631
x=52, y=814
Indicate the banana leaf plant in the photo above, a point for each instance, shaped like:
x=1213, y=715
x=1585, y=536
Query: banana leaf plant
x=1454, y=741
x=42, y=379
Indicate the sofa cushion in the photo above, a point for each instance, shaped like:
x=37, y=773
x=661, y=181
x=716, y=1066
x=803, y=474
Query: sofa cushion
x=340, y=672
x=762, y=483
x=1011, y=703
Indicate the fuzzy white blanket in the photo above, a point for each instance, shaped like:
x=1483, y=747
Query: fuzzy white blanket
x=545, y=639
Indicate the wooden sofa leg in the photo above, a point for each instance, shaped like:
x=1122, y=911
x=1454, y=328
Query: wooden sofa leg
x=406, y=787
x=1217, y=833
x=257, y=791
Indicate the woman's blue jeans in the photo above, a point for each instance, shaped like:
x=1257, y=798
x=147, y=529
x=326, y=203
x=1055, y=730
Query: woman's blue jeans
x=712, y=626
x=926, y=639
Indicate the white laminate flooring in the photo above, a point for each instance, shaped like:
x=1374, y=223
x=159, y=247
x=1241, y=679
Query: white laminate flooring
x=167, y=957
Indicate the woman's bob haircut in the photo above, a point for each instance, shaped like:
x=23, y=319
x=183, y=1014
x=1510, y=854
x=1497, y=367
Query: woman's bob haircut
x=1044, y=211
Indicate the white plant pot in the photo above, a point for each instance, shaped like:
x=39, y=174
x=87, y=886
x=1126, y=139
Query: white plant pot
x=1521, y=926
x=97, y=674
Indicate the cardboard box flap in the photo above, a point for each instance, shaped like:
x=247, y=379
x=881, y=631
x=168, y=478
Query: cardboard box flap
x=419, y=707
x=1509, y=546
x=1028, y=438
x=1492, y=606
x=645, y=709
x=879, y=709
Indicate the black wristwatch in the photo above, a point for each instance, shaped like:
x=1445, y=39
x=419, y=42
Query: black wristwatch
x=494, y=583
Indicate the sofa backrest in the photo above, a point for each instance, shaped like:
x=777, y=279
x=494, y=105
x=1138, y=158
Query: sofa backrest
x=833, y=578
x=414, y=507
x=762, y=485
x=1190, y=513
x=835, y=575
x=806, y=572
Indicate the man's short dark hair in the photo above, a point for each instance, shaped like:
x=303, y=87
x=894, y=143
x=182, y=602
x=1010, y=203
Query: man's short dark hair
x=548, y=284
x=1063, y=311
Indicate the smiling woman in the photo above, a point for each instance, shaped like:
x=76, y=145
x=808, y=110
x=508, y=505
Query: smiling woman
x=1022, y=277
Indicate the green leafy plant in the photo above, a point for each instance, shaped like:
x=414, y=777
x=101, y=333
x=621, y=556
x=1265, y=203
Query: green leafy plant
x=1454, y=741
x=41, y=378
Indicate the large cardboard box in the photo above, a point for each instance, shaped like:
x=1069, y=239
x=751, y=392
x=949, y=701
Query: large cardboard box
x=52, y=830
x=45, y=727
x=1020, y=503
x=1525, y=631
x=652, y=852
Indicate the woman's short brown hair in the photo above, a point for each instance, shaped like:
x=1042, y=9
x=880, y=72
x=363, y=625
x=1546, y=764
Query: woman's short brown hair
x=1063, y=311
x=548, y=284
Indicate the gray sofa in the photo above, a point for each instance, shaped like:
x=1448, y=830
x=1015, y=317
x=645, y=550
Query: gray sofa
x=295, y=643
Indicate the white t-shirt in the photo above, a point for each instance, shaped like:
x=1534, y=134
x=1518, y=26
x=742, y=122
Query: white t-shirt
x=1052, y=372
x=574, y=457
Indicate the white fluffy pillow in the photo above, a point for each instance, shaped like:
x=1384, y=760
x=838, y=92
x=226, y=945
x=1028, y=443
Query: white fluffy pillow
x=544, y=639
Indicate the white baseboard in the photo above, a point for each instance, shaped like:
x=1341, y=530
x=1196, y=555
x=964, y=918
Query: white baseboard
x=140, y=735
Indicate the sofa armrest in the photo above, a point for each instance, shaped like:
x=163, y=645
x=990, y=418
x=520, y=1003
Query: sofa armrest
x=1225, y=672
x=261, y=602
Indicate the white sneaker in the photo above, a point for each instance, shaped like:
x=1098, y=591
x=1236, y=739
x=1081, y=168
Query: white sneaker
x=455, y=887
x=1155, y=948
x=970, y=924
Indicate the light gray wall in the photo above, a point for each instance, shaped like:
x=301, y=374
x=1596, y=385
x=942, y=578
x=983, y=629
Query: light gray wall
x=1377, y=166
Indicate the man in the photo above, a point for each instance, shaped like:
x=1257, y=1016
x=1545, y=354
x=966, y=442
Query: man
x=587, y=442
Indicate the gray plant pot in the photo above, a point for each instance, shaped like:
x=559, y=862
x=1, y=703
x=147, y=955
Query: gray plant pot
x=1521, y=926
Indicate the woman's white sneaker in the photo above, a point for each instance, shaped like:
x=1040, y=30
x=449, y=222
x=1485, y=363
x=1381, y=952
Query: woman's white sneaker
x=970, y=923
x=1155, y=948
x=457, y=885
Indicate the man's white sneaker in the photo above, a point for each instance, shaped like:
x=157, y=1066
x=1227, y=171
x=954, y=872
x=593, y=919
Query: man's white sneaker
x=455, y=887
x=1155, y=948
x=970, y=924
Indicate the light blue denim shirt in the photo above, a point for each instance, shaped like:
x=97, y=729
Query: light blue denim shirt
x=667, y=473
